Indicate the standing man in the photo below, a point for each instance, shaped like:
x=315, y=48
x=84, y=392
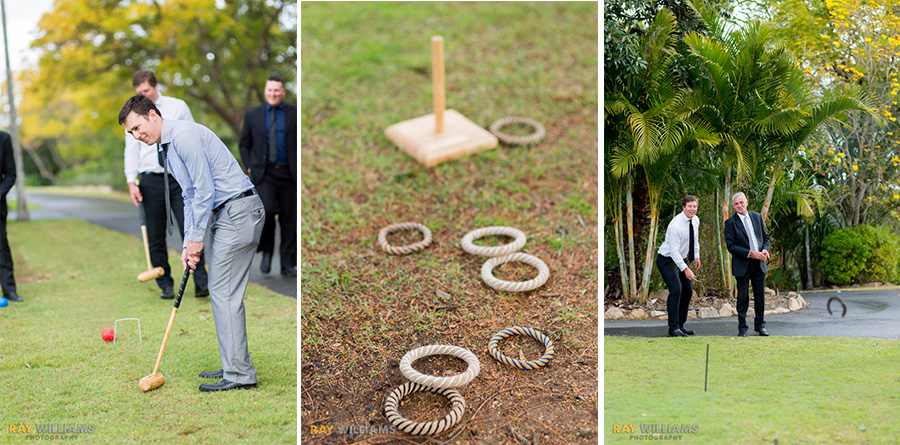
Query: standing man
x=140, y=157
x=269, y=151
x=7, y=180
x=219, y=197
x=682, y=246
x=748, y=242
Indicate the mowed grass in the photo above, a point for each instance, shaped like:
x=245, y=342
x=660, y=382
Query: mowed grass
x=366, y=66
x=795, y=389
x=77, y=279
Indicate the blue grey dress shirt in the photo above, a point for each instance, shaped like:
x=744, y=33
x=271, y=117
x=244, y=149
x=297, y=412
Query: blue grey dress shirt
x=206, y=171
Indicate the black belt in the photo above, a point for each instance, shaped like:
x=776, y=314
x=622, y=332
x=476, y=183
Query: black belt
x=154, y=174
x=245, y=194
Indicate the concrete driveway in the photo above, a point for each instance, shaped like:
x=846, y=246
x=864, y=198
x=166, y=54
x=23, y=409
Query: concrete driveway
x=124, y=217
x=873, y=312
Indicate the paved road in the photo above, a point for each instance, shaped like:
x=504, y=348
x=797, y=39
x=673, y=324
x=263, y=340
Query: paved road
x=870, y=313
x=123, y=217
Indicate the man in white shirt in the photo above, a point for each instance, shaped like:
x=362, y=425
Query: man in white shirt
x=748, y=243
x=682, y=242
x=142, y=158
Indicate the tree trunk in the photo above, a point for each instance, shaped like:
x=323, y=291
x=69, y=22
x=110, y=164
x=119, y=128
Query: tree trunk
x=809, y=280
x=719, y=242
x=726, y=198
x=651, y=247
x=620, y=246
x=770, y=192
x=22, y=206
x=632, y=272
x=47, y=174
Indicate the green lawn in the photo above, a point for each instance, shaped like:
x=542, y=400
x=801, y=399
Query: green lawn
x=77, y=279
x=795, y=389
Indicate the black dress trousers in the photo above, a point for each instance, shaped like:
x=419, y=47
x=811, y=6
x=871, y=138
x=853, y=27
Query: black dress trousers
x=279, y=196
x=7, y=281
x=680, y=291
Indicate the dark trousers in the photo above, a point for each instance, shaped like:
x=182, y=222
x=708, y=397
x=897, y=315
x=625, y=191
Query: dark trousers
x=757, y=278
x=153, y=190
x=680, y=291
x=7, y=281
x=279, y=195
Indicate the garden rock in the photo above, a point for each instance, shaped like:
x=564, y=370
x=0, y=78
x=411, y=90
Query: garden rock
x=658, y=314
x=770, y=292
x=613, y=313
x=794, y=304
x=638, y=313
x=708, y=312
x=727, y=310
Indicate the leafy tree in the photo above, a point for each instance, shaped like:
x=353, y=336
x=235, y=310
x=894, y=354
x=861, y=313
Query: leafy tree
x=844, y=255
x=215, y=55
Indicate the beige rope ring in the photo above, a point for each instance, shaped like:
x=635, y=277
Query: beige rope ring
x=539, y=131
x=457, y=407
x=515, y=286
x=403, y=250
x=505, y=249
x=440, y=382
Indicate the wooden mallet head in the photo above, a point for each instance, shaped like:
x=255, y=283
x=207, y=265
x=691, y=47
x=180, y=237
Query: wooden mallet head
x=151, y=382
x=151, y=274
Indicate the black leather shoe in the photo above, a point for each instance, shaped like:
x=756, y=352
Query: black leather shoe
x=289, y=271
x=167, y=294
x=225, y=385
x=677, y=333
x=202, y=293
x=687, y=331
x=12, y=296
x=265, y=266
x=742, y=333
x=762, y=332
x=212, y=374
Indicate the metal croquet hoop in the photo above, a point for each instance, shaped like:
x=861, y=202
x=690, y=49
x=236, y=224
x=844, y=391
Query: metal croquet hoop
x=457, y=407
x=529, y=365
x=440, y=382
x=116, y=329
x=487, y=272
x=403, y=250
x=539, y=131
x=828, y=306
x=505, y=249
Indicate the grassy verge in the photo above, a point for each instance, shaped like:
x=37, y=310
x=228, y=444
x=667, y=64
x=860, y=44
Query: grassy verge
x=83, y=191
x=798, y=389
x=367, y=66
x=77, y=279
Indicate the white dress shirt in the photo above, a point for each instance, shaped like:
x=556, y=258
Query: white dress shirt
x=142, y=158
x=676, y=244
x=748, y=227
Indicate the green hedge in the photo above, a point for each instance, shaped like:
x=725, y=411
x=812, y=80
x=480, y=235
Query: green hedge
x=861, y=255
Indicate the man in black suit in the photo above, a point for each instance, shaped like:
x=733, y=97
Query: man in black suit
x=268, y=148
x=7, y=180
x=748, y=242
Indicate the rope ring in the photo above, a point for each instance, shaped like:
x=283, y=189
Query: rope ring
x=517, y=243
x=440, y=382
x=529, y=365
x=539, y=131
x=457, y=407
x=487, y=272
x=403, y=250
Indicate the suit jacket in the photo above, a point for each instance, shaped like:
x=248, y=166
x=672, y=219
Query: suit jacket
x=253, y=144
x=7, y=164
x=738, y=242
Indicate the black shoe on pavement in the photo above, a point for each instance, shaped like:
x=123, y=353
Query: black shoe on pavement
x=225, y=385
x=762, y=332
x=265, y=266
x=687, y=331
x=677, y=333
x=289, y=271
x=212, y=374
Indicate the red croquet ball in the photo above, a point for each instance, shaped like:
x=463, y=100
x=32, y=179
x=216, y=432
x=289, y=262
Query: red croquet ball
x=108, y=334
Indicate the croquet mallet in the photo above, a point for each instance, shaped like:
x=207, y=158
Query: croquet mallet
x=152, y=272
x=156, y=379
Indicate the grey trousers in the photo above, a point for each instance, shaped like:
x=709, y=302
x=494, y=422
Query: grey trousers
x=234, y=233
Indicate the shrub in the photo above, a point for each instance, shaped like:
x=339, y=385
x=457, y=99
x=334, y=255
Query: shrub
x=884, y=248
x=844, y=255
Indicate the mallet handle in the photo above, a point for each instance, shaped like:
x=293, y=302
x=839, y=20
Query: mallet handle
x=144, y=234
x=165, y=340
x=437, y=81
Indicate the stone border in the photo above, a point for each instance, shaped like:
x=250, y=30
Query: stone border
x=795, y=303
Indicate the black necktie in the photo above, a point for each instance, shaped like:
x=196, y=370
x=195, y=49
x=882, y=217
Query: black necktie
x=690, y=240
x=164, y=158
x=273, y=146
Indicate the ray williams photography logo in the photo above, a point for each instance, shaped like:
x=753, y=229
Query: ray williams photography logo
x=50, y=431
x=352, y=429
x=655, y=431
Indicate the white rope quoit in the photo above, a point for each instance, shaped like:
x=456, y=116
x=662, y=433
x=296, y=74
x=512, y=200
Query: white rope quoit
x=403, y=250
x=457, y=407
x=487, y=272
x=539, y=131
x=440, y=382
x=517, y=243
